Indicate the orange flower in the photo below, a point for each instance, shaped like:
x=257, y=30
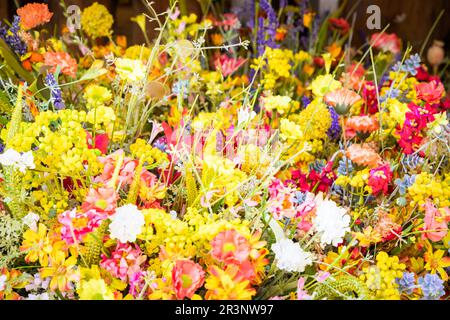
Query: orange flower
x=363, y=155
x=361, y=124
x=342, y=97
x=67, y=64
x=281, y=34
x=33, y=15
x=217, y=39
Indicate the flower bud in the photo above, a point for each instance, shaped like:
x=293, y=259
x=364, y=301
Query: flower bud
x=436, y=53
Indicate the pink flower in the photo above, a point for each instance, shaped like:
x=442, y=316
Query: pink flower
x=379, y=179
x=102, y=200
x=33, y=15
x=431, y=92
x=230, y=247
x=302, y=294
x=75, y=225
x=137, y=283
x=228, y=65
x=125, y=261
x=187, y=277
x=435, y=222
x=66, y=63
x=386, y=42
x=127, y=170
x=306, y=206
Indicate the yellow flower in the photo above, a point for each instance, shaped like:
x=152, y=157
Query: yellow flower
x=96, y=21
x=280, y=103
x=380, y=278
x=138, y=52
x=140, y=20
x=96, y=95
x=436, y=262
x=37, y=245
x=302, y=56
x=223, y=285
x=94, y=289
x=130, y=70
x=368, y=237
x=289, y=130
x=61, y=270
x=324, y=84
x=308, y=19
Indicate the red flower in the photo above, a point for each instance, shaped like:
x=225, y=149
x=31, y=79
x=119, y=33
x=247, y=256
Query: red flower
x=386, y=42
x=369, y=94
x=187, y=277
x=101, y=142
x=379, y=179
x=339, y=24
x=431, y=92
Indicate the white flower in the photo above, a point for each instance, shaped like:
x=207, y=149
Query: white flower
x=290, y=256
x=20, y=161
x=41, y=296
x=127, y=223
x=333, y=222
x=2, y=282
x=244, y=115
x=31, y=220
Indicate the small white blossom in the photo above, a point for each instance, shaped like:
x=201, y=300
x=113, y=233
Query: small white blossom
x=290, y=256
x=332, y=222
x=244, y=115
x=31, y=220
x=41, y=296
x=127, y=223
x=20, y=161
x=2, y=282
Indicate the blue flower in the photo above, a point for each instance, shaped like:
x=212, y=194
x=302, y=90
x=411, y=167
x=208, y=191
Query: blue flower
x=181, y=87
x=55, y=91
x=299, y=197
x=410, y=66
x=405, y=183
x=432, y=286
x=12, y=38
x=406, y=283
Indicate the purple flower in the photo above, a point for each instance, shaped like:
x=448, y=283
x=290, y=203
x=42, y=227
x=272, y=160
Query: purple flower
x=56, y=94
x=335, y=130
x=161, y=144
x=305, y=101
x=406, y=283
x=12, y=38
x=267, y=28
x=432, y=286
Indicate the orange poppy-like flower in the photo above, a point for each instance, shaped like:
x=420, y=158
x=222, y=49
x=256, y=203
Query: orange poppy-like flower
x=361, y=124
x=363, y=155
x=33, y=15
x=67, y=64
